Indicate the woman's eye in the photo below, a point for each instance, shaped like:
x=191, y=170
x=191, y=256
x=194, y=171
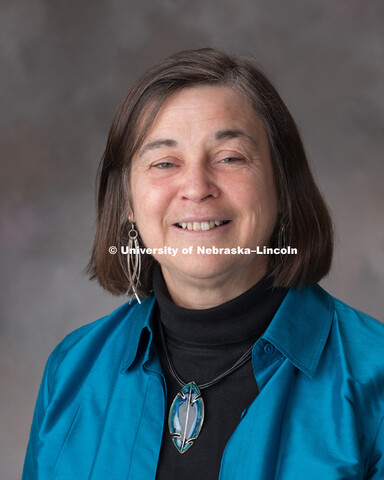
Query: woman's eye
x=231, y=160
x=163, y=165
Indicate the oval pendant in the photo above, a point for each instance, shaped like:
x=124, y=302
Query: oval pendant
x=186, y=417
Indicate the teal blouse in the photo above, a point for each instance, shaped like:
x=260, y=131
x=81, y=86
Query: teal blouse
x=319, y=414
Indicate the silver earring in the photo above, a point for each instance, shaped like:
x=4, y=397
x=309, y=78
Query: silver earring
x=281, y=242
x=281, y=237
x=133, y=263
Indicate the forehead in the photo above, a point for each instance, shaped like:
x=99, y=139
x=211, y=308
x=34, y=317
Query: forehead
x=201, y=109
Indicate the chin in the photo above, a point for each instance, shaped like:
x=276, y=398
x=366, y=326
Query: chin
x=203, y=267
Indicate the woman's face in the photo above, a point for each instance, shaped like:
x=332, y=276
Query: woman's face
x=203, y=177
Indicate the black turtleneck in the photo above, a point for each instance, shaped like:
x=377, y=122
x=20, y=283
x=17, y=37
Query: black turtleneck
x=202, y=345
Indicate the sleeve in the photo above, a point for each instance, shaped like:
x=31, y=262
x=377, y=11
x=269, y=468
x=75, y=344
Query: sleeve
x=376, y=466
x=32, y=468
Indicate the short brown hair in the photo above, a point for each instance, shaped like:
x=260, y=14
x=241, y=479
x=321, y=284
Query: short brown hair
x=304, y=216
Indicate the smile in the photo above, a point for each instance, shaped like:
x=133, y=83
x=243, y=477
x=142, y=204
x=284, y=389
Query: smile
x=198, y=226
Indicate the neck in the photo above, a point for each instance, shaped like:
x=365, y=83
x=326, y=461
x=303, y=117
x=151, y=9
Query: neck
x=198, y=294
x=238, y=320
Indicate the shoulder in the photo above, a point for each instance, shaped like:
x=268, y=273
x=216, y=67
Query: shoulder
x=363, y=333
x=338, y=339
x=355, y=352
x=98, y=331
x=106, y=341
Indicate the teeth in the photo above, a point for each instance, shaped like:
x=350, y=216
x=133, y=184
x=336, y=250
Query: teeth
x=198, y=226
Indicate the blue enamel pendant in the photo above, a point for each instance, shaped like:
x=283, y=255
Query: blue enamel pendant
x=186, y=417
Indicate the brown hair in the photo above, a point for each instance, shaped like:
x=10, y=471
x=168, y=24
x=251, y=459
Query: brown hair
x=304, y=217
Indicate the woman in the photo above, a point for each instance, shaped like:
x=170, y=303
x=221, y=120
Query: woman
x=230, y=362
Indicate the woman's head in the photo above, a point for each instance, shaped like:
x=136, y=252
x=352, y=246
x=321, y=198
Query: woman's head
x=199, y=108
x=205, y=161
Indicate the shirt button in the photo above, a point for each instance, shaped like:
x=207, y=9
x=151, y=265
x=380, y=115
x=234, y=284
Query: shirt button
x=268, y=349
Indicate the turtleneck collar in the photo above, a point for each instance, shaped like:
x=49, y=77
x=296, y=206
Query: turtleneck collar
x=242, y=318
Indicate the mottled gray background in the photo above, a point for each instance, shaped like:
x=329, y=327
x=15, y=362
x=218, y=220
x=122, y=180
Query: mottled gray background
x=64, y=66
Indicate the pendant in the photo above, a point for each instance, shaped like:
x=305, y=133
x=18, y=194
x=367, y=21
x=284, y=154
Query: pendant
x=186, y=417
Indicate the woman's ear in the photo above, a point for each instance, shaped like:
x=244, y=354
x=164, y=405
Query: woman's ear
x=131, y=217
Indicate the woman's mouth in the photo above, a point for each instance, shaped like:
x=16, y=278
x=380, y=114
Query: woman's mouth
x=201, y=226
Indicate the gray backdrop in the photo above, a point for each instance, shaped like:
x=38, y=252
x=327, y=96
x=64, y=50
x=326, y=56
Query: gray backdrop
x=64, y=67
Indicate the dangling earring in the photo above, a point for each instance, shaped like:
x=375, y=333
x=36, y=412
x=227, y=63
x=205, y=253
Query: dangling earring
x=281, y=243
x=281, y=237
x=133, y=262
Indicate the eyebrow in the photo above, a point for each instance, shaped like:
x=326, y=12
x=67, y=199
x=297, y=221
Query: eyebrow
x=220, y=135
x=235, y=133
x=167, y=142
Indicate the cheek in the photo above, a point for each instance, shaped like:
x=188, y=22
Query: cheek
x=256, y=194
x=149, y=208
x=258, y=201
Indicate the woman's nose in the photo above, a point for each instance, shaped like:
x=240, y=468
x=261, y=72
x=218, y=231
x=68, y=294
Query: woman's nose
x=198, y=184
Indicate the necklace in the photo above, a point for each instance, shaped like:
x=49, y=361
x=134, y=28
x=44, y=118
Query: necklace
x=186, y=415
